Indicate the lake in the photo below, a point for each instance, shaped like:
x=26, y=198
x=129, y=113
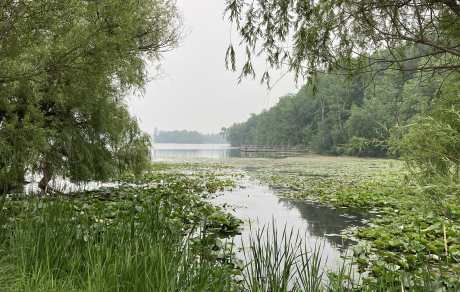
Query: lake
x=165, y=150
x=209, y=151
x=194, y=150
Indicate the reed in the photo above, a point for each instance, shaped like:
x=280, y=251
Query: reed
x=285, y=262
x=281, y=262
x=56, y=253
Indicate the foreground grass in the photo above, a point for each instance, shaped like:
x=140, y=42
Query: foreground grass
x=53, y=254
x=50, y=255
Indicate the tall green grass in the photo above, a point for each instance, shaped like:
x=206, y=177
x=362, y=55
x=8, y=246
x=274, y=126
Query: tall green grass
x=285, y=262
x=274, y=261
x=57, y=253
x=2, y=214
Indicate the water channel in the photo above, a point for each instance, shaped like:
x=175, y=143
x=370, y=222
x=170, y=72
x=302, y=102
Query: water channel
x=319, y=225
x=259, y=204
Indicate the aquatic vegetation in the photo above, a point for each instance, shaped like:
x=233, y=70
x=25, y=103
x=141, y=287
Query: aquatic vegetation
x=359, y=184
x=178, y=193
x=400, y=242
x=403, y=246
x=55, y=254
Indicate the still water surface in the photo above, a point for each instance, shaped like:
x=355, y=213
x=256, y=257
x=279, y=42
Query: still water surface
x=259, y=203
x=314, y=222
x=258, y=206
x=208, y=151
x=194, y=150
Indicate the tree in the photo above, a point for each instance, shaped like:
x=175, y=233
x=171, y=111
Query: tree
x=66, y=70
x=430, y=148
x=184, y=136
x=325, y=122
x=350, y=37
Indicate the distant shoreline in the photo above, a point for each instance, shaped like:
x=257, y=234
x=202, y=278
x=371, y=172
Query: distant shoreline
x=190, y=143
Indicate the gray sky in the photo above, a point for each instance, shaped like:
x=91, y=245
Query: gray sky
x=200, y=94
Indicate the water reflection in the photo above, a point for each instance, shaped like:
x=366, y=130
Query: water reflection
x=209, y=153
x=262, y=207
x=320, y=219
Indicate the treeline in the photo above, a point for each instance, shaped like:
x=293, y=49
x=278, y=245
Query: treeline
x=337, y=114
x=184, y=136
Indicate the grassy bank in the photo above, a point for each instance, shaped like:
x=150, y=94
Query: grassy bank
x=157, y=232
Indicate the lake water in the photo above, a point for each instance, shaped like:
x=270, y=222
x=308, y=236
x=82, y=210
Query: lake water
x=209, y=151
x=318, y=225
x=194, y=150
x=164, y=150
x=259, y=203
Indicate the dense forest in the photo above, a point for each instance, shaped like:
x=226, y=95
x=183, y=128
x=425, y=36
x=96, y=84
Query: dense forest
x=337, y=113
x=184, y=136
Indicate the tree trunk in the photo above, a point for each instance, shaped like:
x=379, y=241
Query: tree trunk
x=322, y=101
x=338, y=109
x=48, y=172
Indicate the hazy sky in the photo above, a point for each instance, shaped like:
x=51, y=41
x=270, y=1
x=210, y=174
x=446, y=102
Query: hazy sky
x=200, y=94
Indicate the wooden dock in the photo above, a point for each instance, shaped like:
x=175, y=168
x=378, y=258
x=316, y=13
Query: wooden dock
x=277, y=148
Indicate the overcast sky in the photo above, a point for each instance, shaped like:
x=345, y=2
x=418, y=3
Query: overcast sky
x=200, y=94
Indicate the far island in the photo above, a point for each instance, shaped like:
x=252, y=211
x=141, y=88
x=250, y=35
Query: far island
x=187, y=137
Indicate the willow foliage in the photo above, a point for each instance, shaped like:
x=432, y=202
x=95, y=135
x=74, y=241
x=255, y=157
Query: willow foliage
x=66, y=69
x=313, y=36
x=431, y=149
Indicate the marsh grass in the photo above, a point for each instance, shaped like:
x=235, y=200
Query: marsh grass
x=2, y=213
x=279, y=262
x=285, y=262
x=56, y=253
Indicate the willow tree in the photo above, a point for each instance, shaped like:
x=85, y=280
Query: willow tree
x=67, y=68
x=354, y=37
